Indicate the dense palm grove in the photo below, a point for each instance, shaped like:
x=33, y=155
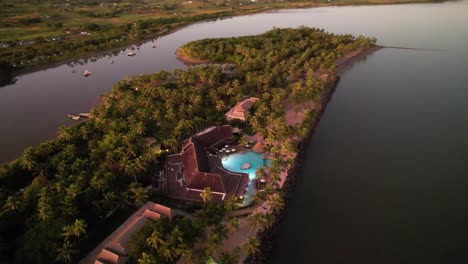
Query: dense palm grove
x=55, y=196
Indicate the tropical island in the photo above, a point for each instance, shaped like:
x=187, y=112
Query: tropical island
x=151, y=178
x=46, y=31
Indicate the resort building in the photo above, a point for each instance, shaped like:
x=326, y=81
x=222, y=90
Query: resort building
x=113, y=249
x=239, y=111
x=198, y=166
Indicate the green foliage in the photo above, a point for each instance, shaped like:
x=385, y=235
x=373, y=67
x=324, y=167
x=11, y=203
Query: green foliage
x=163, y=241
x=92, y=27
x=72, y=182
x=211, y=215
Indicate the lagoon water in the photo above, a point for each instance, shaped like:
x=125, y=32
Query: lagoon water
x=385, y=178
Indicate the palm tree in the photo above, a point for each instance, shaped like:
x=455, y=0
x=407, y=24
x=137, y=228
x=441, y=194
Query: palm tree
x=256, y=220
x=109, y=201
x=45, y=211
x=261, y=173
x=12, y=203
x=214, y=243
x=77, y=229
x=259, y=196
x=206, y=195
x=27, y=160
x=268, y=220
x=261, y=220
x=230, y=257
x=220, y=105
x=275, y=180
x=172, y=144
x=187, y=255
x=154, y=240
x=65, y=253
x=98, y=183
x=231, y=204
x=68, y=207
x=146, y=259
x=176, y=236
x=137, y=194
x=221, y=230
x=233, y=224
x=73, y=190
x=252, y=246
x=166, y=251
x=65, y=133
x=276, y=203
x=86, y=132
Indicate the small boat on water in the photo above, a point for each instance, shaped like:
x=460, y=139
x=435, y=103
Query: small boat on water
x=79, y=116
x=131, y=54
x=111, y=61
x=74, y=117
x=84, y=115
x=154, y=46
x=121, y=52
x=86, y=73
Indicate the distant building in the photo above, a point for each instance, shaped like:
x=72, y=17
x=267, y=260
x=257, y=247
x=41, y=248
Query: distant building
x=198, y=166
x=113, y=249
x=239, y=111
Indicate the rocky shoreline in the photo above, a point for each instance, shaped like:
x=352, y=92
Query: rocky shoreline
x=267, y=236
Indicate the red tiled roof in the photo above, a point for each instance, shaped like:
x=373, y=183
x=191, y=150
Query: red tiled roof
x=161, y=209
x=151, y=215
x=194, y=156
x=116, y=243
x=204, y=179
x=108, y=257
x=200, y=170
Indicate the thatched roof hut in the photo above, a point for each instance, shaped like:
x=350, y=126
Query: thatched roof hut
x=258, y=147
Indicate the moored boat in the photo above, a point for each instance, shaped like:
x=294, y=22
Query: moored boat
x=86, y=73
x=74, y=117
x=131, y=54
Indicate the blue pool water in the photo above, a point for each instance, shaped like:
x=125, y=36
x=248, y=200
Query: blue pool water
x=234, y=163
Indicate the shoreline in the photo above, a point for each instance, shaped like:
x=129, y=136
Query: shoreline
x=46, y=66
x=343, y=63
x=267, y=236
x=189, y=60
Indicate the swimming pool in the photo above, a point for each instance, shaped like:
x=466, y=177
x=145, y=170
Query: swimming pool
x=234, y=163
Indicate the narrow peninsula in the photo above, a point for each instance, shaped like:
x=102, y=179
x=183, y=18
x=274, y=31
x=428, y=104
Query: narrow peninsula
x=194, y=166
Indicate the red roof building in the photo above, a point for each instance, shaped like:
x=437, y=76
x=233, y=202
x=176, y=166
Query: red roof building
x=198, y=166
x=239, y=111
x=113, y=250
